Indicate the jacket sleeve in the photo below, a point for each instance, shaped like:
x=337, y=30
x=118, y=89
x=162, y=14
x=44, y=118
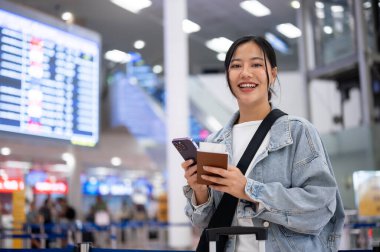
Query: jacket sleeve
x=308, y=204
x=199, y=216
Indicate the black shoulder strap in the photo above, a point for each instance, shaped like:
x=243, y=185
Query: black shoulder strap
x=258, y=138
x=225, y=211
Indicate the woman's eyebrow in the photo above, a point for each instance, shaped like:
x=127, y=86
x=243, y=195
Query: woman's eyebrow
x=253, y=58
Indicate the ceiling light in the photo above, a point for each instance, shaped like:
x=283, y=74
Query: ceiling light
x=277, y=43
x=295, y=4
x=116, y=161
x=139, y=44
x=117, y=56
x=132, y=5
x=219, y=45
x=320, y=13
x=5, y=151
x=157, y=69
x=319, y=5
x=328, y=29
x=189, y=26
x=17, y=164
x=221, y=56
x=255, y=8
x=368, y=4
x=67, y=17
x=337, y=8
x=289, y=30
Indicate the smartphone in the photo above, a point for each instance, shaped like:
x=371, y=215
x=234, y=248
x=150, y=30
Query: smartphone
x=186, y=147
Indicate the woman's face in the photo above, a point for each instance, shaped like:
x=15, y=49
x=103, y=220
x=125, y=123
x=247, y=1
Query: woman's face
x=247, y=75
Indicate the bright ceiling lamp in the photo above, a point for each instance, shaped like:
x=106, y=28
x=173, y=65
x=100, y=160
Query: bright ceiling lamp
x=189, y=26
x=68, y=17
x=295, y=4
x=277, y=43
x=219, y=45
x=337, y=8
x=255, y=8
x=328, y=29
x=139, y=44
x=289, y=30
x=117, y=56
x=5, y=151
x=157, y=69
x=134, y=6
x=221, y=56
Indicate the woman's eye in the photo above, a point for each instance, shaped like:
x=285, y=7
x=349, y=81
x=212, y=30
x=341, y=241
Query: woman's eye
x=234, y=66
x=256, y=65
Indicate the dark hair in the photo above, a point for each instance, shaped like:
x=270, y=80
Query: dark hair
x=265, y=46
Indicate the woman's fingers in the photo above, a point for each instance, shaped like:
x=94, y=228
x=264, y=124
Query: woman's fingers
x=187, y=163
x=190, y=171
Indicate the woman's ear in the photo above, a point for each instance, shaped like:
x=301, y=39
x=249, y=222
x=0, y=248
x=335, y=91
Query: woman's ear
x=274, y=74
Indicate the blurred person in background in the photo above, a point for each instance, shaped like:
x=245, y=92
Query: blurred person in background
x=126, y=215
x=66, y=212
x=47, y=212
x=289, y=186
x=34, y=219
x=66, y=216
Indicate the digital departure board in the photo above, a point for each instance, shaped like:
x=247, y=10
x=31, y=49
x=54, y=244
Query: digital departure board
x=49, y=79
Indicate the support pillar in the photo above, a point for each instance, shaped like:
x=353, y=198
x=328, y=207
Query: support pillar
x=177, y=114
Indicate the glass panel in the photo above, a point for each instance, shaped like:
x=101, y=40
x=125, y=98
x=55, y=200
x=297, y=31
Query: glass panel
x=368, y=9
x=334, y=30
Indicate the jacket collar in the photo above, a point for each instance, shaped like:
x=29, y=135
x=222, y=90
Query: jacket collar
x=280, y=135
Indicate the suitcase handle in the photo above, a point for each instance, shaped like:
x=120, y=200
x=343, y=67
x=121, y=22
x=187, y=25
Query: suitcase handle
x=214, y=233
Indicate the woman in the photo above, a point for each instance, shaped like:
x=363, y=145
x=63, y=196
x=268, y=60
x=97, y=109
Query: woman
x=289, y=186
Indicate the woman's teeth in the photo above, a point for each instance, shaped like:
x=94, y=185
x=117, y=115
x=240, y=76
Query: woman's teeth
x=247, y=85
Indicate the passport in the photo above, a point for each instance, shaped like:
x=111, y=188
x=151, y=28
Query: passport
x=205, y=158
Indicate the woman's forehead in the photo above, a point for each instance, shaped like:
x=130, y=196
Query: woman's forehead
x=248, y=50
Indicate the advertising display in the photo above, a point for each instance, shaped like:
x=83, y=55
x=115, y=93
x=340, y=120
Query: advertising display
x=367, y=193
x=49, y=79
x=11, y=185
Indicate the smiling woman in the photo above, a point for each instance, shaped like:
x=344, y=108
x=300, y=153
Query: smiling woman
x=288, y=186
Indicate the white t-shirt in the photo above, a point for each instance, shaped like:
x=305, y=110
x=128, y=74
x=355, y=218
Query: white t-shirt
x=241, y=136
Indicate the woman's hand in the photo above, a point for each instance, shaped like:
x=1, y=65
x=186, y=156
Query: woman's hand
x=230, y=181
x=200, y=190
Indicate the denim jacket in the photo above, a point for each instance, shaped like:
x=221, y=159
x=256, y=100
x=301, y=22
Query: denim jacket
x=294, y=182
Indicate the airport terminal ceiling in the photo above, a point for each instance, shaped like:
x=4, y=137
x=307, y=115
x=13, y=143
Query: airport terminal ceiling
x=120, y=28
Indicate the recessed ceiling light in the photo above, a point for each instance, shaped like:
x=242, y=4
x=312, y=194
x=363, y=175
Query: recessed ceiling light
x=221, y=56
x=157, y=69
x=219, y=45
x=368, y=4
x=255, y=8
x=117, y=56
x=189, y=26
x=320, y=13
x=295, y=4
x=277, y=43
x=319, y=5
x=5, y=151
x=337, y=8
x=116, y=161
x=139, y=44
x=133, y=6
x=289, y=30
x=328, y=29
x=68, y=17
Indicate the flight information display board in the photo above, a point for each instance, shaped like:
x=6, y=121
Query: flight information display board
x=49, y=81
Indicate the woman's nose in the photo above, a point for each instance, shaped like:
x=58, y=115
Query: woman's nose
x=245, y=72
